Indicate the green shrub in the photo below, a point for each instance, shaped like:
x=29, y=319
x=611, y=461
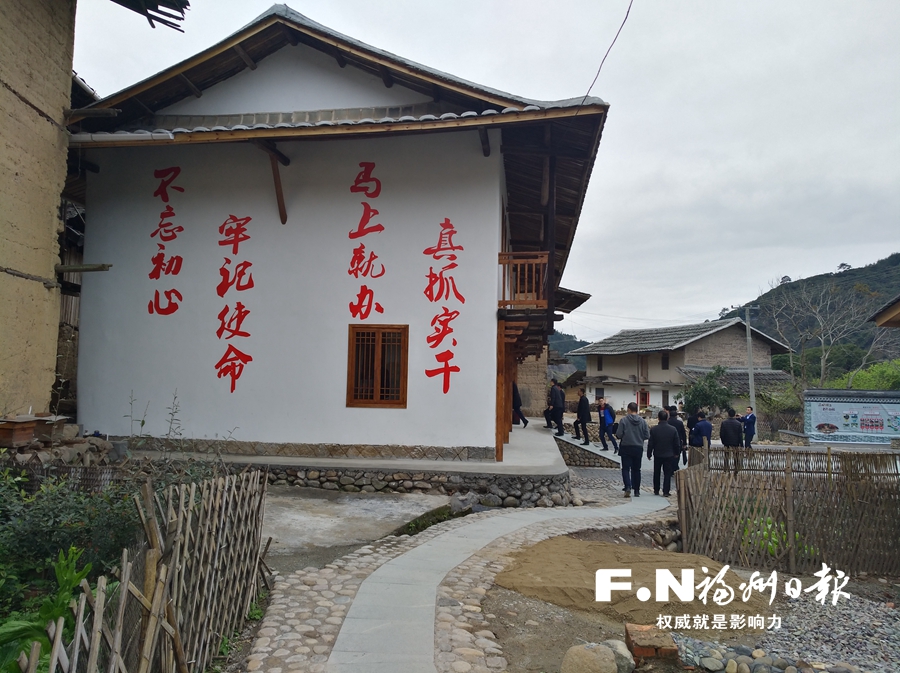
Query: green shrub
x=771, y=536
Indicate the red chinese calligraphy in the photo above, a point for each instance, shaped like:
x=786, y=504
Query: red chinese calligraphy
x=365, y=183
x=167, y=231
x=232, y=364
x=363, y=229
x=364, y=303
x=359, y=265
x=232, y=323
x=440, y=286
x=238, y=280
x=441, y=324
x=171, y=305
x=445, y=371
x=234, y=229
x=161, y=265
x=445, y=246
x=166, y=177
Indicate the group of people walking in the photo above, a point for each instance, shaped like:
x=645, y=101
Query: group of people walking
x=666, y=441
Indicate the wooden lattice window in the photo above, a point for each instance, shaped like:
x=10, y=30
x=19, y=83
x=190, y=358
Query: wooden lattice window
x=377, y=365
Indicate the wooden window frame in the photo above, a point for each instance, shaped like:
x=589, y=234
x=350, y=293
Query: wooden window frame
x=665, y=361
x=352, y=365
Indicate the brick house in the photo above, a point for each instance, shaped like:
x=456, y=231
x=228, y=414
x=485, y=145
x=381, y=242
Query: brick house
x=650, y=366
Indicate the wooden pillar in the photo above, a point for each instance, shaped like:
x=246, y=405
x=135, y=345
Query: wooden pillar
x=501, y=406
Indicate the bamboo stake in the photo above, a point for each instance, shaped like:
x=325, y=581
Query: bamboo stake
x=57, y=652
x=149, y=640
x=97, y=627
x=124, y=581
x=789, y=512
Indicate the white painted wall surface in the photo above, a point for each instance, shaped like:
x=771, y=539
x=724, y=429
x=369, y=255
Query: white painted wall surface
x=295, y=388
x=295, y=79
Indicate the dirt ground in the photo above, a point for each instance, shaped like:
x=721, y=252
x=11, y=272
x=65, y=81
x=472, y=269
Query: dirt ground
x=544, y=602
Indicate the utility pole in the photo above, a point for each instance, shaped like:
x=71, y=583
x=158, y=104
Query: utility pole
x=747, y=310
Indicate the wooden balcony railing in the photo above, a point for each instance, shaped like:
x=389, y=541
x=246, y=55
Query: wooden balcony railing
x=523, y=280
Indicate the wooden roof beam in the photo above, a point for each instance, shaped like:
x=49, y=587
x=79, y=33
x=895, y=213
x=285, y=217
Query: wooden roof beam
x=386, y=76
x=245, y=57
x=485, y=141
x=271, y=149
x=339, y=57
x=289, y=34
x=190, y=85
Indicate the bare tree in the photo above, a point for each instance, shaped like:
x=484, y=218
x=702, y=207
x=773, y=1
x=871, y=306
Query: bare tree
x=825, y=315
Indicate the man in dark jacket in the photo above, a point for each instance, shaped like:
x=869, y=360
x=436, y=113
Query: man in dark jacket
x=730, y=433
x=517, y=406
x=583, y=416
x=701, y=431
x=664, y=447
x=677, y=423
x=557, y=406
x=749, y=421
x=632, y=432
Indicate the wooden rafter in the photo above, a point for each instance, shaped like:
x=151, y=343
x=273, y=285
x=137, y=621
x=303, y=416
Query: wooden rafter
x=191, y=85
x=339, y=57
x=245, y=57
x=386, y=76
x=279, y=192
x=485, y=141
x=271, y=149
x=289, y=35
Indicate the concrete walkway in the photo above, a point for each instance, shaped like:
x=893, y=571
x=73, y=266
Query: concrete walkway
x=390, y=626
x=375, y=609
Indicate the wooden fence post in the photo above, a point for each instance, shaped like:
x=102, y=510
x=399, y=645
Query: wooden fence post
x=789, y=511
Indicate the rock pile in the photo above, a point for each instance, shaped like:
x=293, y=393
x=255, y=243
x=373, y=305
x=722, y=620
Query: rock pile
x=66, y=447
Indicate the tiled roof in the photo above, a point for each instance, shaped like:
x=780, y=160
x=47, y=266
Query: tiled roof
x=173, y=124
x=738, y=380
x=666, y=339
x=286, y=12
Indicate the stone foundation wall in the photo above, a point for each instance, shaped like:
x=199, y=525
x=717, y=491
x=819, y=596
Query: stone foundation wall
x=496, y=490
x=575, y=456
x=232, y=447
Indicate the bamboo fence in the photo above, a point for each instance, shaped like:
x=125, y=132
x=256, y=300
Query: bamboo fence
x=184, y=590
x=792, y=510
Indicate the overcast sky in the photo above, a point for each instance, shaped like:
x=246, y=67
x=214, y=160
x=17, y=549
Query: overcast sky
x=746, y=141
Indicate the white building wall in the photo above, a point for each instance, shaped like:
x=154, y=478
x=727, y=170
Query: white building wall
x=294, y=390
x=295, y=79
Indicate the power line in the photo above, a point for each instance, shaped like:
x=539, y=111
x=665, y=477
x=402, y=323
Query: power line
x=627, y=12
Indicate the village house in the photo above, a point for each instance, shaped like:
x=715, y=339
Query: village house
x=651, y=366
x=319, y=248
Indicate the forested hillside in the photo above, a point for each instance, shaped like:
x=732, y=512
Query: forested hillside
x=824, y=319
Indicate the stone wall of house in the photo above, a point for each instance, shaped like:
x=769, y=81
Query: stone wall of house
x=532, y=383
x=36, y=38
x=727, y=348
